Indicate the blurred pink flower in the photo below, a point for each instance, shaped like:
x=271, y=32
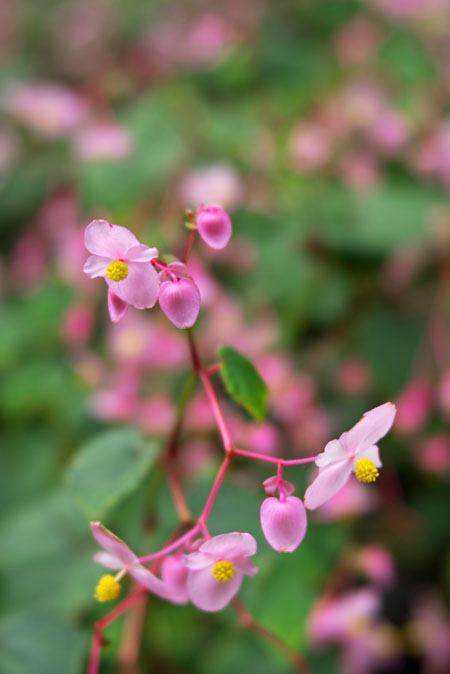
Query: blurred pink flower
x=359, y=170
x=78, y=323
x=390, y=131
x=357, y=41
x=263, y=438
x=309, y=146
x=377, y=564
x=156, y=414
x=433, y=454
x=414, y=406
x=50, y=110
x=104, y=141
x=339, y=619
x=354, y=376
x=217, y=183
x=443, y=393
x=217, y=569
x=355, y=451
x=174, y=574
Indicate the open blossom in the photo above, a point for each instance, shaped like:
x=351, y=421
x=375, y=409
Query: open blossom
x=216, y=570
x=125, y=265
x=355, y=451
x=118, y=556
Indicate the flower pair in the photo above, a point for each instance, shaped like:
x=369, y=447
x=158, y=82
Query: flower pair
x=209, y=577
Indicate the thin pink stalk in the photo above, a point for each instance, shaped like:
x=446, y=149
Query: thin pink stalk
x=280, y=481
x=220, y=419
x=160, y=265
x=214, y=491
x=297, y=462
x=173, y=546
x=258, y=457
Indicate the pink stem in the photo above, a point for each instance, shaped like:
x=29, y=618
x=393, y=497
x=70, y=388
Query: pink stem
x=213, y=493
x=221, y=423
x=280, y=481
x=164, y=267
x=297, y=462
x=273, y=459
x=173, y=546
x=94, y=658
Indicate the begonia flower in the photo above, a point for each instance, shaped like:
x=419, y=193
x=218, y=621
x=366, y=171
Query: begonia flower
x=283, y=522
x=214, y=225
x=118, y=556
x=175, y=574
x=179, y=297
x=216, y=570
x=355, y=451
x=124, y=263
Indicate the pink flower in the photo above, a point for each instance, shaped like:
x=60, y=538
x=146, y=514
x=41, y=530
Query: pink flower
x=175, y=575
x=214, y=225
x=334, y=619
x=104, y=141
x=283, y=522
x=180, y=301
x=216, y=570
x=355, y=451
x=118, y=556
x=125, y=265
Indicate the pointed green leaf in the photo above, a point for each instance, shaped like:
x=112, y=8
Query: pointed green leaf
x=243, y=382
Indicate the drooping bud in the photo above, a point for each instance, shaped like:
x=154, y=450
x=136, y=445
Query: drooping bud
x=180, y=301
x=214, y=225
x=175, y=574
x=283, y=522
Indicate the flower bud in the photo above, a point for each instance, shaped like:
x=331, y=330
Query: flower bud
x=283, y=522
x=180, y=301
x=214, y=226
x=174, y=574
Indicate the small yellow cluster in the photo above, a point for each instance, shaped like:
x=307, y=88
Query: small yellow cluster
x=366, y=471
x=107, y=589
x=223, y=571
x=117, y=270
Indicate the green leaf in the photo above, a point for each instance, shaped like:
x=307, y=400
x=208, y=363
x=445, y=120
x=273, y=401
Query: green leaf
x=41, y=643
x=110, y=467
x=243, y=382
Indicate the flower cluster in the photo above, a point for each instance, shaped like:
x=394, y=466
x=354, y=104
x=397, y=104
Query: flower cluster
x=130, y=267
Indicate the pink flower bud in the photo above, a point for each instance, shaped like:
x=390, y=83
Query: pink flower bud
x=214, y=226
x=174, y=575
x=283, y=523
x=180, y=301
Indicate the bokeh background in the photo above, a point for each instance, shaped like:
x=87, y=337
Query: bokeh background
x=323, y=126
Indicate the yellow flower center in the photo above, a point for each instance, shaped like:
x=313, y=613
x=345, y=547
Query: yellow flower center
x=223, y=571
x=117, y=270
x=366, y=471
x=107, y=589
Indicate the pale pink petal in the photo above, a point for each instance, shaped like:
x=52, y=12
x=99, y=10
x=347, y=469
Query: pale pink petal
x=112, y=544
x=108, y=560
x=372, y=453
x=271, y=484
x=117, y=308
x=328, y=482
x=149, y=581
x=140, y=288
x=374, y=425
x=283, y=523
x=246, y=566
x=175, y=574
x=180, y=301
x=197, y=561
x=113, y=241
x=209, y=595
x=230, y=546
x=333, y=451
x=141, y=253
x=96, y=266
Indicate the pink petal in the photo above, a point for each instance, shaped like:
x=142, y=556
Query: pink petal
x=372, y=453
x=113, y=545
x=209, y=595
x=374, y=425
x=271, y=484
x=197, y=561
x=230, y=546
x=214, y=226
x=246, y=566
x=113, y=241
x=140, y=288
x=175, y=575
x=141, y=253
x=177, y=268
x=96, y=266
x=283, y=523
x=180, y=301
x=108, y=560
x=117, y=308
x=328, y=482
x=148, y=580
x=333, y=451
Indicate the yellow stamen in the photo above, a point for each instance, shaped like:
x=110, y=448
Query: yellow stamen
x=223, y=571
x=107, y=589
x=366, y=471
x=117, y=270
